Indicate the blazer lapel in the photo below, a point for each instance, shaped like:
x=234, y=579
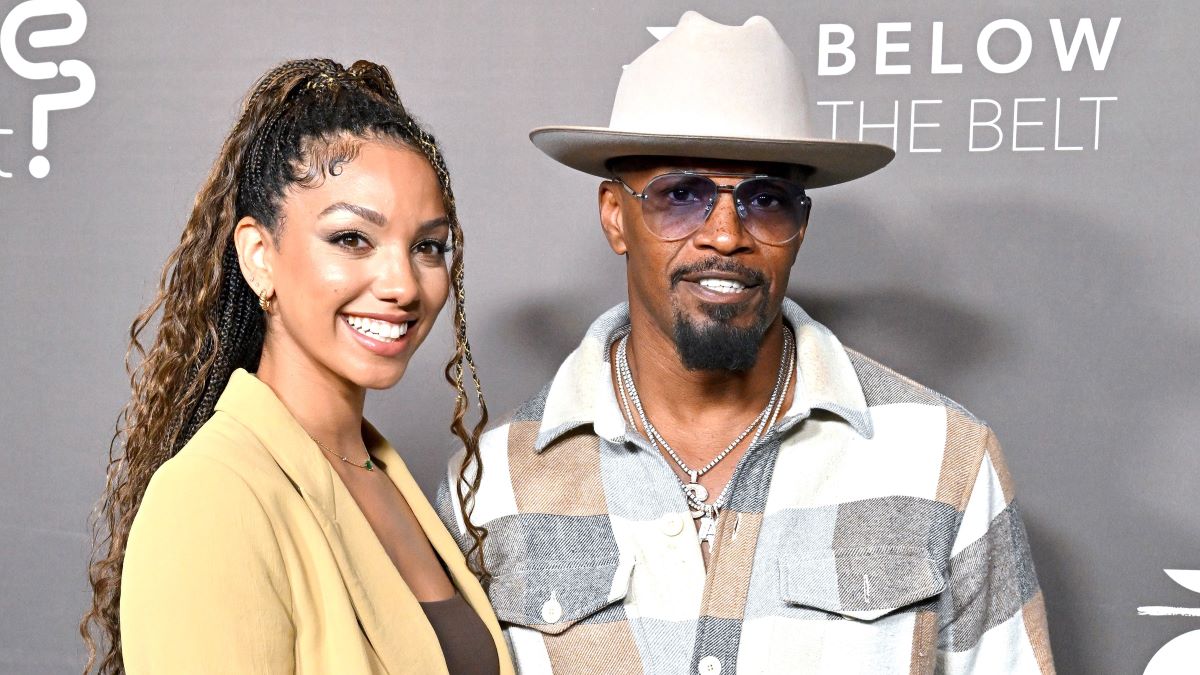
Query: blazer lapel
x=443, y=542
x=390, y=616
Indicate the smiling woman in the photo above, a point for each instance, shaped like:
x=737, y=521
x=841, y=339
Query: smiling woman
x=253, y=521
x=361, y=261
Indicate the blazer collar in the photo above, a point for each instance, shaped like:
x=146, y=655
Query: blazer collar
x=388, y=611
x=255, y=406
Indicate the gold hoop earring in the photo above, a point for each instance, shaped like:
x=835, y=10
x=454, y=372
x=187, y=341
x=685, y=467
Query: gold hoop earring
x=264, y=301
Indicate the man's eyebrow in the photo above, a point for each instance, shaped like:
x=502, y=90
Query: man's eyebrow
x=369, y=215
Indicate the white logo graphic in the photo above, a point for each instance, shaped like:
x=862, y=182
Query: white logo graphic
x=985, y=124
x=39, y=166
x=660, y=32
x=1179, y=656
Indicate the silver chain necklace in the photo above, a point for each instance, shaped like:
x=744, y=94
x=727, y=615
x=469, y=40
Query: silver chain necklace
x=696, y=494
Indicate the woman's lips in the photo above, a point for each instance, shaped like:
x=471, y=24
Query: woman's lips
x=378, y=336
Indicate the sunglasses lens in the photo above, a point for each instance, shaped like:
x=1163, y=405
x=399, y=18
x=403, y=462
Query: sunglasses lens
x=677, y=204
x=774, y=210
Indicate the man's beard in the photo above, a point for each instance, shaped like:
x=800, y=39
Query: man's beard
x=715, y=344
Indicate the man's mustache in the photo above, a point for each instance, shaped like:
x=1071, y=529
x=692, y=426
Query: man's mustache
x=751, y=276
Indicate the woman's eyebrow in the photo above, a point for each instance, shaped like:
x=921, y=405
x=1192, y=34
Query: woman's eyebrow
x=442, y=221
x=367, y=214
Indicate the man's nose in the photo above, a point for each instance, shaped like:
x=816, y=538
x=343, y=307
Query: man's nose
x=723, y=231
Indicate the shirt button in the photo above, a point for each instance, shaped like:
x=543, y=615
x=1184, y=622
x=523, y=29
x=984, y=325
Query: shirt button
x=551, y=611
x=672, y=524
x=710, y=665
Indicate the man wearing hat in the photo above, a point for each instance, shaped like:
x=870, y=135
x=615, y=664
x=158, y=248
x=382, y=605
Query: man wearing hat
x=712, y=482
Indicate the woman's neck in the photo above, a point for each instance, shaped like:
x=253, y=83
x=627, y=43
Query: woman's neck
x=328, y=406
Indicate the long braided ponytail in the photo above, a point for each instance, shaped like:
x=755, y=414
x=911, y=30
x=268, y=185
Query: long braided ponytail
x=210, y=322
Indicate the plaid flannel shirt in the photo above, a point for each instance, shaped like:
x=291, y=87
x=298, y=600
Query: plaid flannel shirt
x=872, y=530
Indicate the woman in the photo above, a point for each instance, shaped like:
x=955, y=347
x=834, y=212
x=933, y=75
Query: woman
x=255, y=522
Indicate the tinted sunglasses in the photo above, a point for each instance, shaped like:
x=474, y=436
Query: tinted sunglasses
x=676, y=204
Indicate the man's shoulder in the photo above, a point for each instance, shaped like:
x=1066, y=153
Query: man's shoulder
x=533, y=408
x=882, y=386
x=530, y=412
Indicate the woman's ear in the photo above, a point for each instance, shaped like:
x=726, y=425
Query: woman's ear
x=611, y=217
x=254, y=245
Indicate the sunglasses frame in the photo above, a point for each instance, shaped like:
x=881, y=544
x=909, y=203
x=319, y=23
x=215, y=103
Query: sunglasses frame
x=739, y=207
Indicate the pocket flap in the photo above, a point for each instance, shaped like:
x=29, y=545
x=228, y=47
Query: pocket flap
x=862, y=585
x=552, y=595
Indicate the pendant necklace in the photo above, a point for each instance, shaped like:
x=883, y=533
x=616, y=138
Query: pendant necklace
x=695, y=494
x=368, y=465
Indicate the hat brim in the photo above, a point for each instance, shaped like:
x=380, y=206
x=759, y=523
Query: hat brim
x=588, y=149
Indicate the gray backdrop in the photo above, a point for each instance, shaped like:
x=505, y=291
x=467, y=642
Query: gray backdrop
x=1052, y=292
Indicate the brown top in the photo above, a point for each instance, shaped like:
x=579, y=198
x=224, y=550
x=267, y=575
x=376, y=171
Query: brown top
x=466, y=643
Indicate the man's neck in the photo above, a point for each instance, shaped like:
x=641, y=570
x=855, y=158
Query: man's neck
x=718, y=402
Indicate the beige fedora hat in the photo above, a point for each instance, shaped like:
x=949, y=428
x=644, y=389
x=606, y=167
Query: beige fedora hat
x=713, y=91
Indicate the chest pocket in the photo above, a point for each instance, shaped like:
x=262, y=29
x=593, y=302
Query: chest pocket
x=861, y=584
x=550, y=596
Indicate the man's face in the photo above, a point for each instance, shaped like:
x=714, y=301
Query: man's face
x=714, y=292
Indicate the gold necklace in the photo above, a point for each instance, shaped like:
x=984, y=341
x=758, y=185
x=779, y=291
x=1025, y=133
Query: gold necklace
x=368, y=465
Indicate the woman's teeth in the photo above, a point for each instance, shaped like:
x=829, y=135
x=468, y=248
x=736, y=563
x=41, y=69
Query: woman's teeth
x=375, y=329
x=722, y=285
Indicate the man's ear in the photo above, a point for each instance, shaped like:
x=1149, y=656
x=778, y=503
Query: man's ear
x=612, y=219
x=254, y=246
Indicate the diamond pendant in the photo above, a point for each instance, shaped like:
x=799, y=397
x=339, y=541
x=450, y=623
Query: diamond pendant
x=696, y=492
x=707, y=530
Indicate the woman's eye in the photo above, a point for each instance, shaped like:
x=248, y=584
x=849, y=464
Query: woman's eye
x=350, y=240
x=432, y=247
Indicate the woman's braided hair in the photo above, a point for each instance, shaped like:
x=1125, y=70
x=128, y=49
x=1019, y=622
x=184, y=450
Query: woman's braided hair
x=299, y=123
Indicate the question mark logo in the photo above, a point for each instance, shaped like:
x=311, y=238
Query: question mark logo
x=39, y=166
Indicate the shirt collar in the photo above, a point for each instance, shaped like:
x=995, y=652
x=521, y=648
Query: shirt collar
x=582, y=390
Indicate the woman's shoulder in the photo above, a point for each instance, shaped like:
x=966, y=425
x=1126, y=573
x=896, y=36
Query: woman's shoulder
x=224, y=441
x=203, y=531
x=216, y=498
x=224, y=464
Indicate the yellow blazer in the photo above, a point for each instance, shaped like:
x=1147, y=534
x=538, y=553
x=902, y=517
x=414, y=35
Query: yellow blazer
x=248, y=555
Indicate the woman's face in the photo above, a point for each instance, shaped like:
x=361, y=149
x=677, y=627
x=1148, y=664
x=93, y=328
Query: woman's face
x=358, y=268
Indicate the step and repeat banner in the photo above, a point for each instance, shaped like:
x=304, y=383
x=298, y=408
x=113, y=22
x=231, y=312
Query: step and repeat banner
x=1031, y=252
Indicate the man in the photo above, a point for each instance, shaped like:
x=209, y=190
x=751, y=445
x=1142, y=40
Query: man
x=711, y=482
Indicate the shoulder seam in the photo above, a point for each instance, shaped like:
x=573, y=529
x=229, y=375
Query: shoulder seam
x=965, y=497
x=945, y=401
